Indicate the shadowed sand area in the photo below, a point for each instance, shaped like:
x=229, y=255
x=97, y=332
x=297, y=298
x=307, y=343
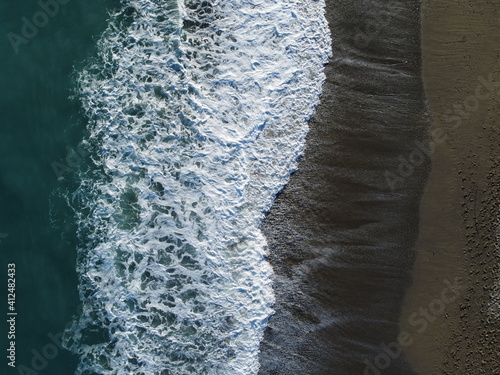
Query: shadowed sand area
x=356, y=261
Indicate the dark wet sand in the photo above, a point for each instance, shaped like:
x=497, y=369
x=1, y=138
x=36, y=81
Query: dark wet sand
x=342, y=241
x=461, y=44
x=346, y=247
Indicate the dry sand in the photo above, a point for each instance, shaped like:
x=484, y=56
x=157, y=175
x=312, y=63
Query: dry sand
x=460, y=207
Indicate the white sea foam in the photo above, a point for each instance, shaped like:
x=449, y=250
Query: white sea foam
x=198, y=112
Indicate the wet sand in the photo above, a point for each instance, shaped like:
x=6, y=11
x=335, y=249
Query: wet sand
x=460, y=207
x=342, y=234
x=362, y=256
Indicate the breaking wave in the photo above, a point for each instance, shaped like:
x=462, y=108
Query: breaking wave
x=197, y=114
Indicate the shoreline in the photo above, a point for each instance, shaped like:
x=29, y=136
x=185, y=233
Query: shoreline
x=342, y=233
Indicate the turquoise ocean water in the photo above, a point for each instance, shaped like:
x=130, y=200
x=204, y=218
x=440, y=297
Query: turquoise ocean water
x=38, y=122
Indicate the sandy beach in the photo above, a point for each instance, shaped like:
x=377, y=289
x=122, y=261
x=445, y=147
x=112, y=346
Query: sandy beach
x=384, y=265
x=460, y=206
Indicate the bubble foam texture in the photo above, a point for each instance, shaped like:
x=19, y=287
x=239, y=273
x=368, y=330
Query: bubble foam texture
x=197, y=114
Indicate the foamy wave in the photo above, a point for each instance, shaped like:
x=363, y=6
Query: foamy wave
x=198, y=112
